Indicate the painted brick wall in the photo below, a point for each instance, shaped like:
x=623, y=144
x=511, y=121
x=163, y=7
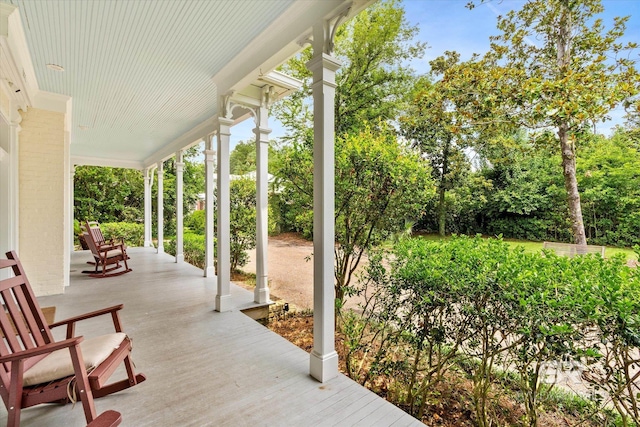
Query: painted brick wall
x=42, y=181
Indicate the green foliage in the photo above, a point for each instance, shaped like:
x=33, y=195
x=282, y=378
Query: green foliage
x=433, y=124
x=132, y=234
x=554, y=66
x=243, y=158
x=193, y=248
x=471, y=302
x=379, y=184
x=242, y=220
x=374, y=81
x=107, y=194
x=196, y=222
x=608, y=174
x=193, y=185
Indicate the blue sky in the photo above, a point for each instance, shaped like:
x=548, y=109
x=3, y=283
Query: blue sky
x=449, y=25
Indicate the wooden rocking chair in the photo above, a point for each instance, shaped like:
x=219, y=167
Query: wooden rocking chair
x=105, y=253
x=35, y=369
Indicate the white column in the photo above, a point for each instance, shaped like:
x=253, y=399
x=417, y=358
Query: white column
x=148, y=183
x=72, y=233
x=14, y=185
x=209, y=169
x=9, y=188
x=323, y=359
x=223, y=297
x=160, y=208
x=262, y=131
x=179, y=207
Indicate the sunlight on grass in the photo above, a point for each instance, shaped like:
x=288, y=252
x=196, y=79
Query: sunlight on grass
x=530, y=246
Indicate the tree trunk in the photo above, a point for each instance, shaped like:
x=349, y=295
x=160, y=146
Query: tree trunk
x=442, y=213
x=571, y=186
x=563, y=44
x=442, y=189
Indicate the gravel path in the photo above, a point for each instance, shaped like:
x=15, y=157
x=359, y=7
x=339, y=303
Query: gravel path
x=290, y=274
x=290, y=270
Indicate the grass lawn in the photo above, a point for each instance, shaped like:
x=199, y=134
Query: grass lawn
x=530, y=246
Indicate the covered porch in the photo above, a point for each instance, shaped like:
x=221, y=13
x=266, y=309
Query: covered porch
x=203, y=367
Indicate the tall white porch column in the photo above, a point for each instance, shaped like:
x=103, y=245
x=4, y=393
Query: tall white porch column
x=323, y=359
x=9, y=188
x=148, y=182
x=262, y=131
x=72, y=232
x=13, y=186
x=179, y=207
x=223, y=297
x=160, y=208
x=209, y=169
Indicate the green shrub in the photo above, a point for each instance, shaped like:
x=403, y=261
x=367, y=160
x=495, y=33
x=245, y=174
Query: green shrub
x=196, y=222
x=474, y=302
x=132, y=233
x=193, y=249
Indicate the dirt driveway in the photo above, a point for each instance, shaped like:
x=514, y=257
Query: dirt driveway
x=290, y=270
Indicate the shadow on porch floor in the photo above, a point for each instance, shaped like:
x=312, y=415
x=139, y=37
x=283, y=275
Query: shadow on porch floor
x=203, y=368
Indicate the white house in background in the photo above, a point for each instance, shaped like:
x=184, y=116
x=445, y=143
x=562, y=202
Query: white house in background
x=127, y=83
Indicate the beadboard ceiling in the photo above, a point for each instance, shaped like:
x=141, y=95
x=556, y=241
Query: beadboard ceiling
x=143, y=73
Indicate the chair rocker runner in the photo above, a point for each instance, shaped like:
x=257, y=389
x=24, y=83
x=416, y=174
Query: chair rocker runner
x=35, y=369
x=107, y=254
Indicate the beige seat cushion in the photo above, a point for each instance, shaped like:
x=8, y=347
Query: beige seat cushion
x=58, y=364
x=114, y=253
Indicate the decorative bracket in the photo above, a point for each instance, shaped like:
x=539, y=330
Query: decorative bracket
x=330, y=27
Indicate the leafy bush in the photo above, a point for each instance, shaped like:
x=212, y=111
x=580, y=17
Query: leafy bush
x=429, y=305
x=196, y=222
x=132, y=233
x=193, y=249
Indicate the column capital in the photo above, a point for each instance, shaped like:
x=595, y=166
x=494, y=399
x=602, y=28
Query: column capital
x=323, y=61
x=259, y=131
x=225, y=123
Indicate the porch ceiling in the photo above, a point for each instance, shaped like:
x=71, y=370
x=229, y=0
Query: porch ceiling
x=143, y=73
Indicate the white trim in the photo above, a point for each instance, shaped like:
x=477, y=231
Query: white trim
x=53, y=102
x=115, y=163
x=14, y=45
x=187, y=139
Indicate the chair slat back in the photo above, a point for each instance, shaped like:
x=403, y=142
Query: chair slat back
x=93, y=228
x=88, y=237
x=22, y=322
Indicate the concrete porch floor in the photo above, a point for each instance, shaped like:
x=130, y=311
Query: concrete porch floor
x=203, y=368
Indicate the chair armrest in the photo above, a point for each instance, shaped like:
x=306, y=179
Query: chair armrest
x=72, y=320
x=87, y=315
x=109, y=246
x=45, y=349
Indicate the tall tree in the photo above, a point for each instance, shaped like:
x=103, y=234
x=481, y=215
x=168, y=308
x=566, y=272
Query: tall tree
x=374, y=174
x=374, y=80
x=107, y=194
x=556, y=66
x=380, y=184
x=434, y=125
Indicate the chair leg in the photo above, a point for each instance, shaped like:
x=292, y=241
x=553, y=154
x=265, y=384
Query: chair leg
x=82, y=384
x=14, y=401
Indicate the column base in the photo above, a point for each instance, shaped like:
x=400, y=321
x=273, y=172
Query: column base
x=261, y=296
x=223, y=303
x=148, y=244
x=160, y=249
x=179, y=258
x=323, y=368
x=210, y=271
